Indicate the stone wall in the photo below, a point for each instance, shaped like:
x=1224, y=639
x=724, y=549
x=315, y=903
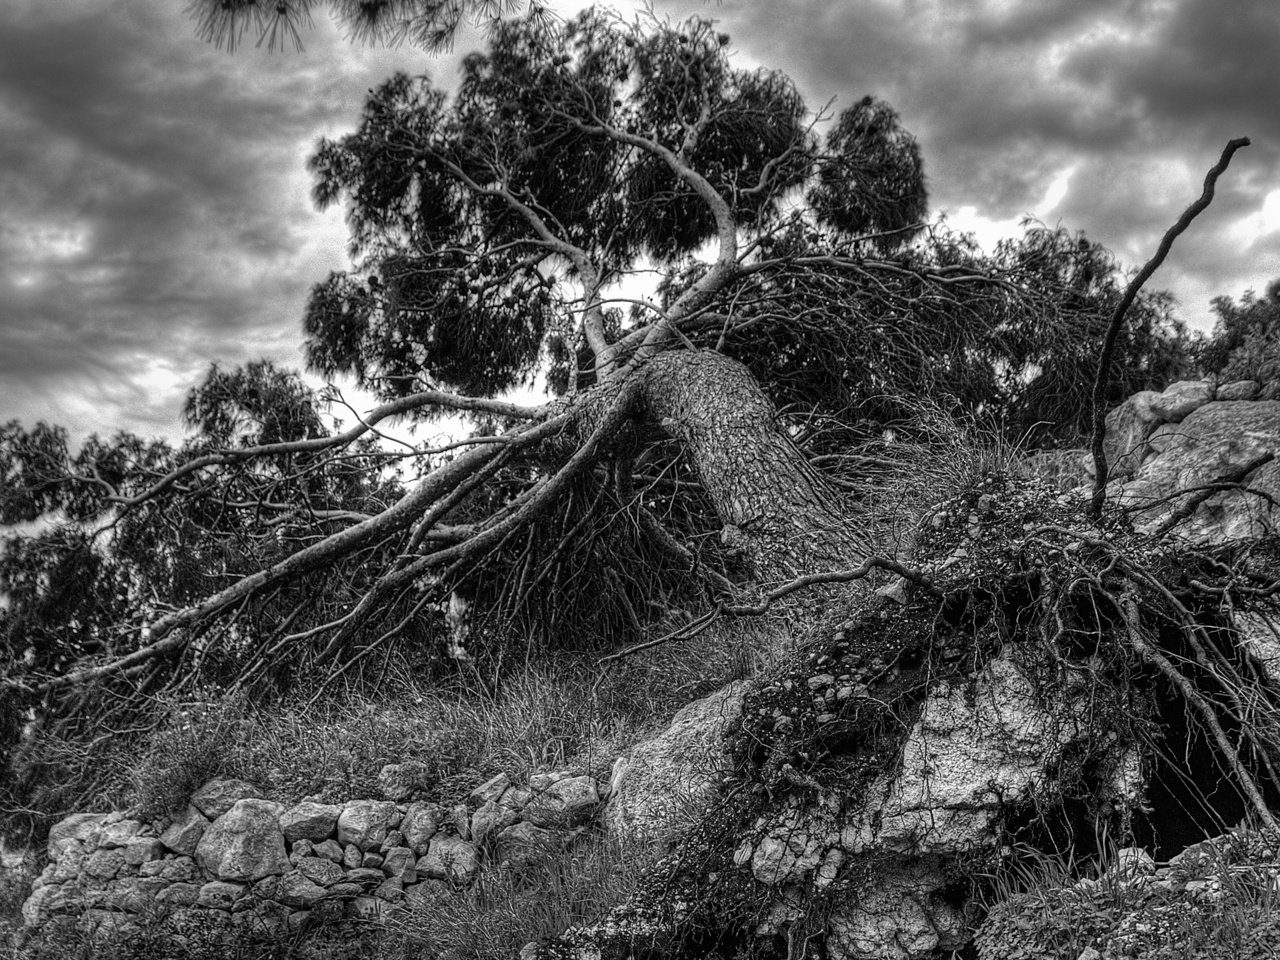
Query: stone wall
x=234, y=856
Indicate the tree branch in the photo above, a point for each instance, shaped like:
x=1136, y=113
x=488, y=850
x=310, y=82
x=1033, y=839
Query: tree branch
x=1113, y=330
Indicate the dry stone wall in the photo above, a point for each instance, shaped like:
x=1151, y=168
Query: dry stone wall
x=235, y=856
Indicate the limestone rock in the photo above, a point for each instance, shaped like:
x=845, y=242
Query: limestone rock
x=220, y=894
x=177, y=869
x=523, y=842
x=420, y=823
x=218, y=796
x=367, y=822
x=135, y=894
x=565, y=803
x=1180, y=398
x=489, y=819
x=178, y=895
x=298, y=890
x=1128, y=427
x=351, y=856
x=1215, y=440
x=330, y=850
x=319, y=870
x=142, y=850
x=183, y=835
x=310, y=821
x=119, y=834
x=49, y=901
x=1238, y=390
x=401, y=865
x=402, y=781
x=83, y=828
x=452, y=859
x=104, y=864
x=675, y=770
x=897, y=916
x=491, y=789
x=245, y=843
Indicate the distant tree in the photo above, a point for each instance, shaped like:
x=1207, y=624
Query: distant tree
x=1056, y=358
x=1245, y=343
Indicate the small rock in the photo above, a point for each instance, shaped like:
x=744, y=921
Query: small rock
x=394, y=839
x=401, y=864
x=420, y=823
x=1238, y=390
x=84, y=828
x=135, y=894
x=491, y=790
x=895, y=591
x=310, y=821
x=372, y=861
x=183, y=835
x=104, y=864
x=300, y=849
x=330, y=850
x=178, y=895
x=142, y=850
x=220, y=894
x=119, y=834
x=401, y=781
x=320, y=870
x=297, y=890
x=351, y=856
x=367, y=822
x=489, y=819
x=566, y=802
x=391, y=890
x=452, y=859
x=218, y=796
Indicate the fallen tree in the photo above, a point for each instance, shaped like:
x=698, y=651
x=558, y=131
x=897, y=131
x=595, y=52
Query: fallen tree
x=704, y=443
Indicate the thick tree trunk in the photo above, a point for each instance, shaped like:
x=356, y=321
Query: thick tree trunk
x=773, y=505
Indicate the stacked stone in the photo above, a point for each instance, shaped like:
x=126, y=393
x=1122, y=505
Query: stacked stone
x=1137, y=427
x=233, y=855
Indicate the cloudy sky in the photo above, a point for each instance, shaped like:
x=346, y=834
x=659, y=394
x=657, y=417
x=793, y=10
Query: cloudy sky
x=155, y=212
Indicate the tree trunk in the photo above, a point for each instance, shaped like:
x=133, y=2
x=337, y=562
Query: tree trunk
x=774, y=506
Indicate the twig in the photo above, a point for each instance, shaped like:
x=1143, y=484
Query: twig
x=1113, y=331
x=723, y=609
x=1193, y=697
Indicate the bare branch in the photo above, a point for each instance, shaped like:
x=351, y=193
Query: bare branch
x=1100, y=474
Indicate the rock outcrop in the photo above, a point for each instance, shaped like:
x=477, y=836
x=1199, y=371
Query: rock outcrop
x=860, y=783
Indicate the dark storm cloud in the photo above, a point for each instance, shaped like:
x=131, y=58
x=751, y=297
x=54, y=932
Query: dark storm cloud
x=154, y=211
x=1135, y=99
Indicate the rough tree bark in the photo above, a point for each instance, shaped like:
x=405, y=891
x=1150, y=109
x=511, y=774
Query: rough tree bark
x=774, y=506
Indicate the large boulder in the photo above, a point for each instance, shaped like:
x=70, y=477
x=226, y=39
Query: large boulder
x=1128, y=427
x=1211, y=444
x=660, y=782
x=245, y=843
